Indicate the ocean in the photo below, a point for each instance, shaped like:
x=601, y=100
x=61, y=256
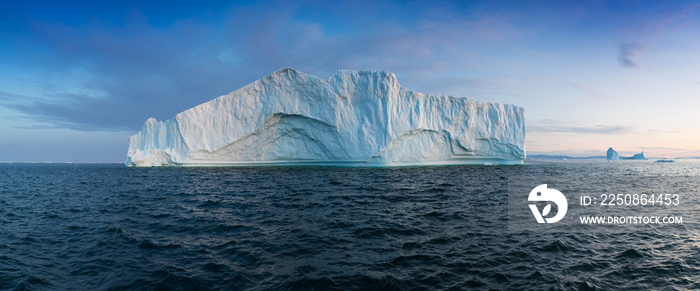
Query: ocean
x=110, y=227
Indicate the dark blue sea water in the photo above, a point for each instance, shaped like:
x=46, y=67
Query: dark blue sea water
x=109, y=227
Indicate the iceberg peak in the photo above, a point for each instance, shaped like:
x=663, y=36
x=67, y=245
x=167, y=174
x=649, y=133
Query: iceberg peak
x=287, y=71
x=356, y=118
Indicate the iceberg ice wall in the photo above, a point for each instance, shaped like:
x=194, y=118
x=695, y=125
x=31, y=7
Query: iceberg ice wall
x=354, y=118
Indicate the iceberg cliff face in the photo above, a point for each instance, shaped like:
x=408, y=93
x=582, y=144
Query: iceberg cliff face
x=354, y=118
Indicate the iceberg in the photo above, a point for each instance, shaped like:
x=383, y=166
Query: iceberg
x=354, y=118
x=639, y=156
x=612, y=154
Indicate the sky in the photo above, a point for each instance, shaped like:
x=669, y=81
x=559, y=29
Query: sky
x=77, y=78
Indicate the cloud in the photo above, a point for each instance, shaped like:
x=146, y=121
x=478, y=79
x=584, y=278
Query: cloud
x=626, y=54
x=104, y=76
x=559, y=126
x=643, y=34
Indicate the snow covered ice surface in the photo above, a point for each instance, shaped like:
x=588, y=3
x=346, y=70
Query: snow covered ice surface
x=352, y=119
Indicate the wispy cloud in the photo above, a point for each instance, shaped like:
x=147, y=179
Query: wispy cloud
x=643, y=34
x=104, y=76
x=567, y=127
x=626, y=54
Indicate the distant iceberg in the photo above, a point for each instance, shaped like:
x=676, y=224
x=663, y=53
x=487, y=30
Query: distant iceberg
x=354, y=118
x=639, y=156
x=612, y=154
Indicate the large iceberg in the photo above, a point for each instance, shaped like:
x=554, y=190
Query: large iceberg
x=354, y=118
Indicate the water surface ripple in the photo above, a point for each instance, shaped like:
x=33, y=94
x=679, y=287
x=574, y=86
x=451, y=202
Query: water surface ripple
x=108, y=227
